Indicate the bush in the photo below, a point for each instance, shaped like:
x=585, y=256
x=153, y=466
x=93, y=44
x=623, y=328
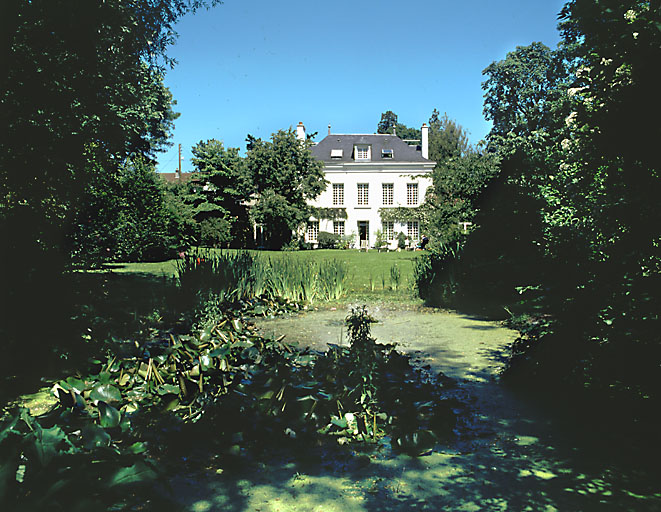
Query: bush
x=380, y=241
x=214, y=232
x=328, y=240
x=401, y=240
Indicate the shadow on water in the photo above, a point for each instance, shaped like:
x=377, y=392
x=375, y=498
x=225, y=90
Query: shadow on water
x=513, y=451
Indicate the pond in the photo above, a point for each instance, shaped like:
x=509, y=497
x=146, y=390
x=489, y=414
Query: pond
x=516, y=452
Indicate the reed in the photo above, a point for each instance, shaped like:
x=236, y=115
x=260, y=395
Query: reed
x=242, y=275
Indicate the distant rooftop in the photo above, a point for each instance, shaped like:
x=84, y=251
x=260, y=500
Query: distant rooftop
x=173, y=177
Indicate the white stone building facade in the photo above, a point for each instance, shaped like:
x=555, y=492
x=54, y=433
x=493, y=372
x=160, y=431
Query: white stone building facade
x=367, y=173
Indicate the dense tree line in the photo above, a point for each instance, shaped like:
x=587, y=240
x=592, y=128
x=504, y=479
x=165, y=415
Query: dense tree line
x=572, y=219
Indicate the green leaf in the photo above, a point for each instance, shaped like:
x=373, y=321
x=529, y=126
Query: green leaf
x=167, y=389
x=109, y=417
x=170, y=402
x=106, y=393
x=104, y=377
x=72, y=383
x=49, y=442
x=138, y=447
x=220, y=351
x=94, y=436
x=340, y=422
x=138, y=472
x=206, y=362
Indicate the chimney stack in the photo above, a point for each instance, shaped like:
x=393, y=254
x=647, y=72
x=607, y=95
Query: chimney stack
x=425, y=141
x=300, y=132
x=328, y=128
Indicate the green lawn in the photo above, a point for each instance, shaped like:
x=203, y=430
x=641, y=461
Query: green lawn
x=369, y=272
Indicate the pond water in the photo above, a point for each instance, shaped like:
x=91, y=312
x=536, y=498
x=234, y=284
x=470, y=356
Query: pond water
x=518, y=453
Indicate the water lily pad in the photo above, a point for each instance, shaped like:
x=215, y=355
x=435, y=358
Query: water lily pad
x=109, y=417
x=106, y=393
x=166, y=389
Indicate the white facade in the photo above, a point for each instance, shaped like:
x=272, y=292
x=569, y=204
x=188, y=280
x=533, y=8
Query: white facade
x=367, y=173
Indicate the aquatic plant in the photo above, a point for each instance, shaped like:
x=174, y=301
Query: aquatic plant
x=241, y=276
x=395, y=276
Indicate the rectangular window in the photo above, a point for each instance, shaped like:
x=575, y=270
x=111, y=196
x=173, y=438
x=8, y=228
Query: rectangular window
x=338, y=227
x=411, y=194
x=389, y=230
x=313, y=231
x=387, y=153
x=338, y=194
x=363, y=194
x=336, y=154
x=412, y=230
x=388, y=193
x=362, y=152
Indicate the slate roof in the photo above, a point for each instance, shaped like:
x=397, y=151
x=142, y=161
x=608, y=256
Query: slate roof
x=402, y=152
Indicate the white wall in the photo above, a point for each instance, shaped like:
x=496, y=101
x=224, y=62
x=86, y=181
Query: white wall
x=375, y=175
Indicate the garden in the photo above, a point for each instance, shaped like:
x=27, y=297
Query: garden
x=155, y=359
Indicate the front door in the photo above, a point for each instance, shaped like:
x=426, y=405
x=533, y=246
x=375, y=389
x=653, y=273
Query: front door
x=364, y=234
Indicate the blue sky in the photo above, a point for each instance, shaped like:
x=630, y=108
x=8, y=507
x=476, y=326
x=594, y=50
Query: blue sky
x=256, y=66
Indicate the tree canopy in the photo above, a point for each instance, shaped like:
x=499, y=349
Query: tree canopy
x=223, y=189
x=389, y=124
x=284, y=176
x=573, y=212
x=82, y=90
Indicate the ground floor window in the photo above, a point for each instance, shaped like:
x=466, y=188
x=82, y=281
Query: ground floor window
x=413, y=230
x=313, y=231
x=389, y=230
x=338, y=227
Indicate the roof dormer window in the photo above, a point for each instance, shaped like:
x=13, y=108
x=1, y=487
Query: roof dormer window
x=387, y=153
x=336, y=153
x=362, y=152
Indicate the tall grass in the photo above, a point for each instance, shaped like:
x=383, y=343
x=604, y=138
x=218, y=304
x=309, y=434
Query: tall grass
x=241, y=275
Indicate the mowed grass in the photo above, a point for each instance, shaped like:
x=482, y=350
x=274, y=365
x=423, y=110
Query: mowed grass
x=369, y=272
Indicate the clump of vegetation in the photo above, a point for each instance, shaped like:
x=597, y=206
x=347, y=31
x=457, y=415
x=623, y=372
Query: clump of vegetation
x=222, y=385
x=328, y=240
x=401, y=241
x=395, y=277
x=245, y=276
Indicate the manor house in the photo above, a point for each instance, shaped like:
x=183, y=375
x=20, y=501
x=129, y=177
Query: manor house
x=367, y=175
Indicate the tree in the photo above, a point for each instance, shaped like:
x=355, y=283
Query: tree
x=82, y=90
x=580, y=174
x=284, y=176
x=389, y=124
x=458, y=184
x=447, y=139
x=223, y=189
x=521, y=96
x=81, y=94
x=129, y=216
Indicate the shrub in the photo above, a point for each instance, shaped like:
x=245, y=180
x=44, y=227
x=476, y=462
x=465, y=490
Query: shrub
x=379, y=242
x=401, y=240
x=328, y=240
